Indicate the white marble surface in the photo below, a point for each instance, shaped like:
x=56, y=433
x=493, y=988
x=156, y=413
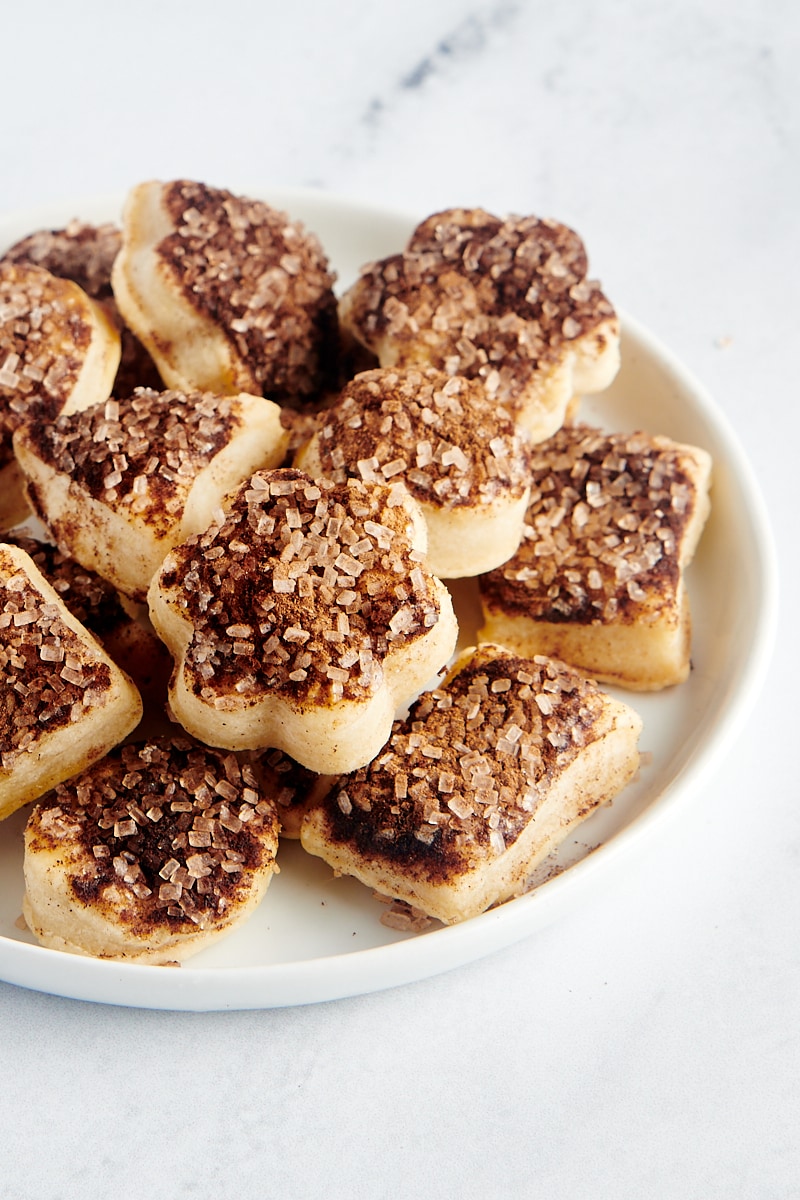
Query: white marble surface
x=647, y=1044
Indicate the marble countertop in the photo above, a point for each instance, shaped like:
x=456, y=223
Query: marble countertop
x=646, y=1043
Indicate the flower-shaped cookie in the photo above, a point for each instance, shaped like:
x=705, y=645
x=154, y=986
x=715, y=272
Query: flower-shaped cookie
x=227, y=293
x=120, y=484
x=507, y=301
x=58, y=353
x=303, y=619
x=486, y=776
x=458, y=453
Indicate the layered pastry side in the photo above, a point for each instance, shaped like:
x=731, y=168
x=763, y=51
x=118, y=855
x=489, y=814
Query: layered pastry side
x=457, y=452
x=480, y=784
x=227, y=293
x=598, y=580
x=64, y=701
x=149, y=855
x=507, y=301
x=118, y=485
x=59, y=352
x=303, y=619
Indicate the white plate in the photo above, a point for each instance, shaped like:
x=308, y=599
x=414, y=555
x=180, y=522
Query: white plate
x=319, y=938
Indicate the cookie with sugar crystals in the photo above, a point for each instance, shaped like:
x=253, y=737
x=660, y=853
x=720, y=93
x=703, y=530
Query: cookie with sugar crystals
x=116, y=624
x=64, y=702
x=598, y=580
x=483, y=780
x=459, y=454
x=119, y=485
x=58, y=353
x=85, y=254
x=150, y=855
x=303, y=619
x=504, y=301
x=227, y=293
x=80, y=251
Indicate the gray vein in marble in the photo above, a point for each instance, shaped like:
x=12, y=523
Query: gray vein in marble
x=470, y=38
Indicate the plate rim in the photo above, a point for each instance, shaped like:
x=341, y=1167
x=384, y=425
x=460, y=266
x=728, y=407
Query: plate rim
x=335, y=976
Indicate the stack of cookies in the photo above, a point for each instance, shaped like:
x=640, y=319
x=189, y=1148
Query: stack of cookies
x=266, y=491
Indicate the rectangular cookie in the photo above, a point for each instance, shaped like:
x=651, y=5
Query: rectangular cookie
x=484, y=779
x=598, y=579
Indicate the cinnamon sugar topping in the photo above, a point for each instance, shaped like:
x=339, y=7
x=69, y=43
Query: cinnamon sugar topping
x=262, y=278
x=180, y=826
x=94, y=602
x=450, y=444
x=81, y=252
x=482, y=297
x=48, y=676
x=290, y=781
x=44, y=333
x=296, y=589
x=143, y=452
x=462, y=776
x=603, y=528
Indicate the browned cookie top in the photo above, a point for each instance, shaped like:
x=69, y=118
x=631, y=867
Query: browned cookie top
x=448, y=442
x=142, y=452
x=603, y=529
x=478, y=295
x=45, y=331
x=303, y=588
x=93, y=601
x=81, y=252
x=261, y=278
x=463, y=774
x=180, y=825
x=48, y=675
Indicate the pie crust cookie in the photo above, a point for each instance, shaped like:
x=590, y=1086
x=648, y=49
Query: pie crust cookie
x=598, y=580
x=303, y=619
x=483, y=780
x=120, y=627
x=119, y=485
x=58, y=353
x=85, y=254
x=227, y=293
x=81, y=252
x=458, y=453
x=506, y=301
x=150, y=855
x=63, y=701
